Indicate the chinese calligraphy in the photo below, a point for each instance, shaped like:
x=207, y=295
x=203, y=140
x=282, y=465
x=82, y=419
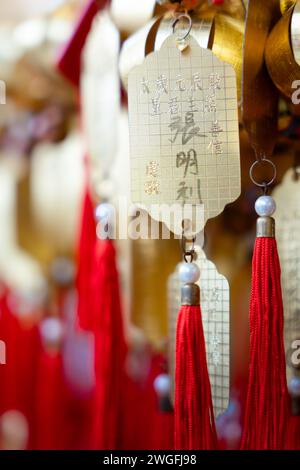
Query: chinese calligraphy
x=215, y=350
x=199, y=96
x=186, y=129
x=215, y=145
x=189, y=160
x=152, y=169
x=152, y=186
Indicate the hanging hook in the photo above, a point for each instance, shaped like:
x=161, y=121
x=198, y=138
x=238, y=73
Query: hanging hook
x=188, y=252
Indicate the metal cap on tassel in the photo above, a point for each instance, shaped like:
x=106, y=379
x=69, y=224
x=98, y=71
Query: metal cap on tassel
x=190, y=294
x=189, y=273
x=265, y=227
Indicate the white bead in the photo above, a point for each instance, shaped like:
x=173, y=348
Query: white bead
x=189, y=272
x=14, y=429
x=162, y=384
x=232, y=434
x=104, y=213
x=51, y=330
x=294, y=386
x=265, y=206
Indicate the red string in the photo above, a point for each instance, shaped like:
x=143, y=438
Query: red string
x=194, y=417
x=266, y=410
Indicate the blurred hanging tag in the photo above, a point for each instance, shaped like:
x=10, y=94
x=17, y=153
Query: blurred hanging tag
x=215, y=314
x=259, y=94
x=100, y=97
x=295, y=32
x=184, y=139
x=287, y=215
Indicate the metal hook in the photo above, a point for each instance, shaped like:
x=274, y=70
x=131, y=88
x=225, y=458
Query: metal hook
x=188, y=253
x=187, y=16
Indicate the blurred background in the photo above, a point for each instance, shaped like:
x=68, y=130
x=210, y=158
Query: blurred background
x=63, y=127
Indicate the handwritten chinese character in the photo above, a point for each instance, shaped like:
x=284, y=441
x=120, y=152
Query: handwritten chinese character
x=152, y=169
x=180, y=83
x=145, y=86
x=189, y=160
x=152, y=187
x=187, y=130
x=216, y=358
x=215, y=353
x=210, y=104
x=156, y=106
x=184, y=192
x=216, y=147
x=173, y=106
x=161, y=84
x=215, y=81
x=192, y=106
x=215, y=129
x=215, y=341
x=215, y=294
x=197, y=83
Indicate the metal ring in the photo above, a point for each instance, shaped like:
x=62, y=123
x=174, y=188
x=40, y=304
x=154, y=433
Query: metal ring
x=183, y=15
x=190, y=252
x=265, y=184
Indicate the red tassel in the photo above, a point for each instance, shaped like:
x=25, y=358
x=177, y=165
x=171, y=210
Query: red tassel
x=266, y=411
x=86, y=249
x=18, y=375
x=293, y=436
x=69, y=63
x=50, y=403
x=194, y=416
x=110, y=347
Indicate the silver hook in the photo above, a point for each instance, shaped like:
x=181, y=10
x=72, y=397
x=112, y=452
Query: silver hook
x=179, y=17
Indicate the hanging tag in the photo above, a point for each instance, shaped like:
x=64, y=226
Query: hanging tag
x=295, y=32
x=184, y=139
x=100, y=99
x=287, y=215
x=214, y=299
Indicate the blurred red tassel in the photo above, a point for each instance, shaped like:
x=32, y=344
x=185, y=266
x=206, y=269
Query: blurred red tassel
x=50, y=403
x=110, y=347
x=69, y=62
x=86, y=249
x=266, y=413
x=165, y=430
x=194, y=416
x=293, y=433
x=18, y=375
x=145, y=426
